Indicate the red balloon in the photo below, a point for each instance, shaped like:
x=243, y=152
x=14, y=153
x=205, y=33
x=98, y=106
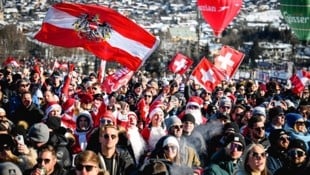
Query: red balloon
x=219, y=13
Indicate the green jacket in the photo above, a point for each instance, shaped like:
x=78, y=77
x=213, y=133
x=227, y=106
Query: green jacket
x=220, y=164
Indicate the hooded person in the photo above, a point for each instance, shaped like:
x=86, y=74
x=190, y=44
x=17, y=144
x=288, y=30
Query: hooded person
x=136, y=140
x=84, y=126
x=193, y=107
x=155, y=130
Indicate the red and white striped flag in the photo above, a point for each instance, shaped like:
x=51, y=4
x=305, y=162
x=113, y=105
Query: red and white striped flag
x=10, y=61
x=180, y=63
x=100, y=30
x=300, y=80
x=228, y=61
x=207, y=75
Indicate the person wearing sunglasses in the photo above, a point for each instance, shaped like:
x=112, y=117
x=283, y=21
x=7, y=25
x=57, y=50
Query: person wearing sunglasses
x=298, y=159
x=47, y=163
x=188, y=155
x=276, y=119
x=116, y=160
x=278, y=156
x=226, y=159
x=257, y=134
x=255, y=159
x=296, y=126
x=87, y=163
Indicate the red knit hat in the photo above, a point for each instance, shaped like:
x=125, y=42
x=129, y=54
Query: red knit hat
x=68, y=104
x=86, y=98
x=195, y=100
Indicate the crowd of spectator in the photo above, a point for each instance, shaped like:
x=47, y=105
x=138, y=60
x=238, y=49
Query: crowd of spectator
x=64, y=122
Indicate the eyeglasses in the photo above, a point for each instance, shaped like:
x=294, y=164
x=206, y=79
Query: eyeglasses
x=107, y=136
x=234, y=146
x=284, y=138
x=24, y=85
x=46, y=161
x=87, y=167
x=296, y=152
x=258, y=129
x=173, y=148
x=105, y=121
x=177, y=127
x=256, y=155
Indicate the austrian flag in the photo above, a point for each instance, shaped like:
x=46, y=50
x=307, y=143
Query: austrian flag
x=180, y=63
x=100, y=30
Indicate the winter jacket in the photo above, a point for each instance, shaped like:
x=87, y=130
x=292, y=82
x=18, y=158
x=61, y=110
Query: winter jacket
x=30, y=114
x=122, y=163
x=221, y=164
x=276, y=159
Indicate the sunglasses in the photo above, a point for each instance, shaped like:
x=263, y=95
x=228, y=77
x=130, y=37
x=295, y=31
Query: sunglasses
x=300, y=123
x=225, y=107
x=4, y=148
x=256, y=155
x=107, y=136
x=177, y=127
x=284, y=138
x=105, y=121
x=192, y=107
x=258, y=129
x=46, y=161
x=87, y=167
x=234, y=146
x=296, y=152
x=24, y=85
x=147, y=96
x=173, y=148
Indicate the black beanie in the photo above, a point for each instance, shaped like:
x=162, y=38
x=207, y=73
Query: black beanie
x=188, y=117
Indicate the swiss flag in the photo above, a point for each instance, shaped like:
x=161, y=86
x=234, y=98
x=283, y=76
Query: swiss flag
x=100, y=30
x=113, y=82
x=207, y=75
x=228, y=61
x=10, y=61
x=180, y=63
x=299, y=80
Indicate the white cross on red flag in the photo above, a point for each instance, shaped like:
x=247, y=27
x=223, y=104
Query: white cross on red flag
x=180, y=63
x=300, y=80
x=120, y=78
x=207, y=75
x=228, y=61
